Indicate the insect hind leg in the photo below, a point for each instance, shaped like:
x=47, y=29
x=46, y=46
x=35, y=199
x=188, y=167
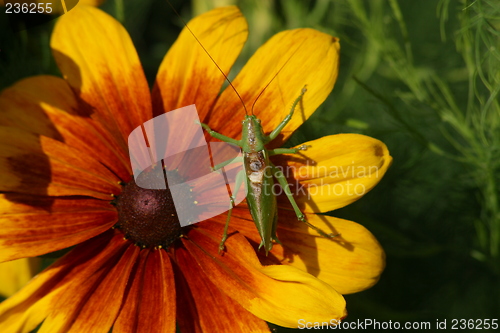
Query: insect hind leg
x=226, y=226
x=300, y=216
x=239, y=180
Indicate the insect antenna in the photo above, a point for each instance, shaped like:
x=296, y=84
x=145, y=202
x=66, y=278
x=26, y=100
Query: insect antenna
x=275, y=75
x=204, y=49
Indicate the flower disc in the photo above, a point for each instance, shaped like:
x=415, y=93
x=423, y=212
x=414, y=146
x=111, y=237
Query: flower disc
x=147, y=216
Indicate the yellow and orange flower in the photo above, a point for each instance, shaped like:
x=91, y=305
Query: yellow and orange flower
x=63, y=155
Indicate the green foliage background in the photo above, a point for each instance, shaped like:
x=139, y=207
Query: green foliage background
x=423, y=77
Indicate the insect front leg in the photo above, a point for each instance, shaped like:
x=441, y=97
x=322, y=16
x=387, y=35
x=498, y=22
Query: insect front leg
x=279, y=151
x=278, y=174
x=223, y=164
x=285, y=121
x=240, y=177
x=219, y=136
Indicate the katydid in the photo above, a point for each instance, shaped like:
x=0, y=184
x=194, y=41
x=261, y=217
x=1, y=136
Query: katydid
x=258, y=172
x=258, y=169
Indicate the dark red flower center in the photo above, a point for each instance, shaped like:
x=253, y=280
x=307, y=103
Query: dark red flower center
x=148, y=217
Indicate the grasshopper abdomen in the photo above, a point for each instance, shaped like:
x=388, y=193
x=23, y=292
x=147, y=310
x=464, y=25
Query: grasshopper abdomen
x=260, y=199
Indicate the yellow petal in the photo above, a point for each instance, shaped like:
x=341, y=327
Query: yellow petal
x=350, y=262
x=279, y=294
x=96, y=56
x=187, y=75
x=300, y=57
x=334, y=171
x=16, y=273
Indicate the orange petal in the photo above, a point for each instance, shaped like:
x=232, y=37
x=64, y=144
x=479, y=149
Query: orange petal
x=149, y=303
x=36, y=225
x=334, y=171
x=127, y=319
x=58, y=295
x=43, y=166
x=47, y=106
x=277, y=293
x=96, y=56
x=16, y=273
x=187, y=75
x=299, y=57
x=103, y=304
x=204, y=308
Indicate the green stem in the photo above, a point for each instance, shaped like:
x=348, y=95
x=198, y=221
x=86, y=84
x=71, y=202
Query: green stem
x=492, y=204
x=119, y=11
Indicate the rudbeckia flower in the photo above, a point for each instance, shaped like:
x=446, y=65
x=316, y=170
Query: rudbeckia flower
x=66, y=181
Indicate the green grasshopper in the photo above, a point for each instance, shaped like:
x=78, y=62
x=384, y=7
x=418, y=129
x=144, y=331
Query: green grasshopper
x=258, y=174
x=258, y=169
